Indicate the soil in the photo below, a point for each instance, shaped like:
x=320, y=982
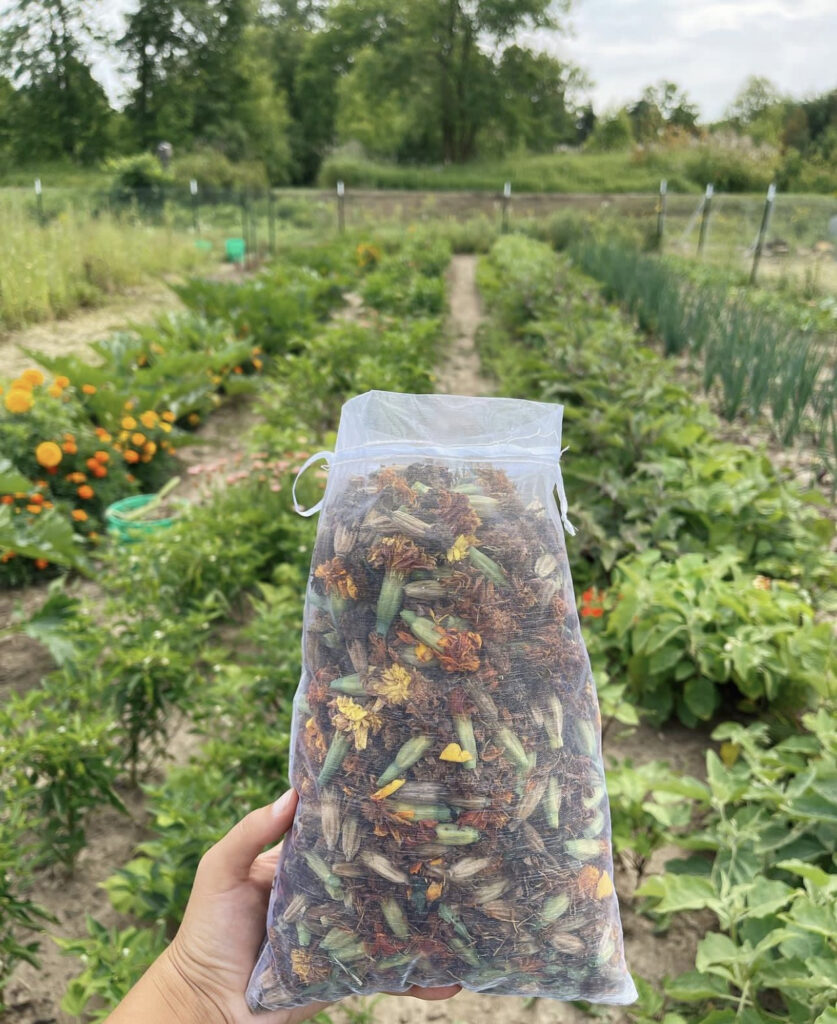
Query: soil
x=34, y=994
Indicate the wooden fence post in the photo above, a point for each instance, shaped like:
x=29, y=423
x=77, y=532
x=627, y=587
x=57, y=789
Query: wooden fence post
x=765, y=220
x=704, y=220
x=506, y=200
x=661, y=214
x=341, y=212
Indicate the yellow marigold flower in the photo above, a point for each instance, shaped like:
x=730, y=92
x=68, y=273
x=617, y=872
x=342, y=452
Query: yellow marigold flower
x=138, y=440
x=357, y=720
x=89, y=389
x=61, y=381
x=393, y=685
x=165, y=427
x=460, y=547
x=150, y=448
x=129, y=423
x=149, y=419
x=54, y=391
x=168, y=416
x=48, y=454
x=18, y=400
x=34, y=378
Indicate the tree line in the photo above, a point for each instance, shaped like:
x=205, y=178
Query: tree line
x=281, y=82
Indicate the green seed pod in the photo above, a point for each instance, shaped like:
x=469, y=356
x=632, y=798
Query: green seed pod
x=295, y=909
x=448, y=915
x=399, y=960
x=595, y=798
x=586, y=738
x=595, y=827
x=303, y=935
x=464, y=951
x=552, y=803
x=423, y=629
x=348, y=684
x=394, y=916
x=334, y=758
x=513, y=747
x=413, y=750
x=389, y=601
x=467, y=740
x=485, y=507
x=380, y=865
x=321, y=869
x=422, y=812
x=554, y=907
x=468, y=489
x=456, y=835
x=350, y=839
x=425, y=590
x=554, y=723
x=583, y=849
x=488, y=567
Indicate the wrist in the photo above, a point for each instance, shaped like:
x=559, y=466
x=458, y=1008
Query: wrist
x=165, y=994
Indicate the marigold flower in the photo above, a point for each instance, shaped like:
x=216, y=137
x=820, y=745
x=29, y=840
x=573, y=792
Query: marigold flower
x=85, y=491
x=99, y=471
x=149, y=419
x=257, y=363
x=61, y=381
x=336, y=578
x=7, y=556
x=48, y=454
x=193, y=419
x=76, y=478
x=460, y=547
x=357, y=720
x=34, y=378
x=400, y=555
x=37, y=499
x=54, y=391
x=591, y=604
x=7, y=499
x=41, y=563
x=79, y=515
x=138, y=440
x=128, y=423
x=457, y=651
x=168, y=416
x=89, y=389
x=393, y=685
x=18, y=400
x=131, y=456
x=102, y=434
x=166, y=427
x=70, y=447
x=34, y=509
x=150, y=447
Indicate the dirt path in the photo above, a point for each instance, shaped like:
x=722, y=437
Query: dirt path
x=460, y=373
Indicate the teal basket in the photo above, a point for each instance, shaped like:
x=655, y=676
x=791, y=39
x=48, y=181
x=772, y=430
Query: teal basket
x=235, y=249
x=129, y=531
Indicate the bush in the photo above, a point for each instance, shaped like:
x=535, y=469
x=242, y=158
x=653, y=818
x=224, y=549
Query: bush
x=214, y=170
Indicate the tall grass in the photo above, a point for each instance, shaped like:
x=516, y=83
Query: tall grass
x=762, y=364
x=76, y=260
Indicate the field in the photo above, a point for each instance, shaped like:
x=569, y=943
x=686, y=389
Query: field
x=147, y=686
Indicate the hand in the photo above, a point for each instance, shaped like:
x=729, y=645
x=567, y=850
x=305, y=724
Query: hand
x=202, y=975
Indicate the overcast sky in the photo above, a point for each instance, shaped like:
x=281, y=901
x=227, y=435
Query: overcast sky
x=706, y=46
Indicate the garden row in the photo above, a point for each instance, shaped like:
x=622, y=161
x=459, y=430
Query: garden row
x=706, y=577
x=104, y=715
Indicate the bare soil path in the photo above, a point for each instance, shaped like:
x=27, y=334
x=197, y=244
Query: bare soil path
x=460, y=374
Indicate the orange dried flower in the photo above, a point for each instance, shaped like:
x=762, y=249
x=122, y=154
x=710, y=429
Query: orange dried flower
x=336, y=578
x=457, y=651
x=400, y=555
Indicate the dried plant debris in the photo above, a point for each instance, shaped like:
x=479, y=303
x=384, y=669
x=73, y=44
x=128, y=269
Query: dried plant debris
x=453, y=825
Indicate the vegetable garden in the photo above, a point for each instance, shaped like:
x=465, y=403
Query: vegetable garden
x=704, y=576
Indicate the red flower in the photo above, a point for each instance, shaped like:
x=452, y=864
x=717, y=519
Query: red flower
x=592, y=604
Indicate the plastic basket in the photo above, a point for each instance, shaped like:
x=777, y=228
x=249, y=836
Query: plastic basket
x=131, y=530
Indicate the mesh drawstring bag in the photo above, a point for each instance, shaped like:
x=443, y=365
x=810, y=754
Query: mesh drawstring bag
x=453, y=824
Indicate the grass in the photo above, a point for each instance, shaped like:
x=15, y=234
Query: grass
x=76, y=260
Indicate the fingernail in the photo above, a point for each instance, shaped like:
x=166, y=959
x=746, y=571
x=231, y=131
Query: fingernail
x=280, y=805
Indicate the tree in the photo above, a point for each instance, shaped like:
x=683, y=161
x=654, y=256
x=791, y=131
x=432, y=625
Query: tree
x=612, y=132
x=758, y=110
x=43, y=48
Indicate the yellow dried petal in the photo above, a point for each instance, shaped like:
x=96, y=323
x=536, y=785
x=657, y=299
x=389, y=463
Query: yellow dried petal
x=351, y=709
x=605, y=886
x=460, y=547
x=434, y=891
x=453, y=752
x=388, y=789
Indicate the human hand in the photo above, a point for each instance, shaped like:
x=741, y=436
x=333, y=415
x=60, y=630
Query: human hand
x=202, y=975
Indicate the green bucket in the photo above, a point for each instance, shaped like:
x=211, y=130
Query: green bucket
x=235, y=249
x=131, y=530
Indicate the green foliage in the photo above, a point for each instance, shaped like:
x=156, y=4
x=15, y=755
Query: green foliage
x=769, y=822
x=687, y=631
x=113, y=961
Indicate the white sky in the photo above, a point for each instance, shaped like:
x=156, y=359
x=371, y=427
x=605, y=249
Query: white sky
x=708, y=47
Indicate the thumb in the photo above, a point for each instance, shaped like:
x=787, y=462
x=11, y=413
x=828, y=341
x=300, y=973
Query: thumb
x=231, y=858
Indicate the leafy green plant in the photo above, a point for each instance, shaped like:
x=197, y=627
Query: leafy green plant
x=690, y=631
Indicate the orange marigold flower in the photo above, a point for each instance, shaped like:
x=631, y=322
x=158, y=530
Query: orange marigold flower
x=150, y=448
x=237, y=369
x=89, y=389
x=18, y=400
x=7, y=499
x=166, y=427
x=149, y=419
x=102, y=434
x=258, y=363
x=129, y=423
x=85, y=491
x=91, y=463
x=79, y=515
x=193, y=419
x=7, y=556
x=34, y=378
x=41, y=563
x=48, y=454
x=34, y=509
x=76, y=478
x=592, y=604
x=400, y=555
x=168, y=416
x=61, y=381
x=131, y=456
x=138, y=440
x=54, y=391
x=99, y=471
x=37, y=499
x=458, y=651
x=70, y=447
